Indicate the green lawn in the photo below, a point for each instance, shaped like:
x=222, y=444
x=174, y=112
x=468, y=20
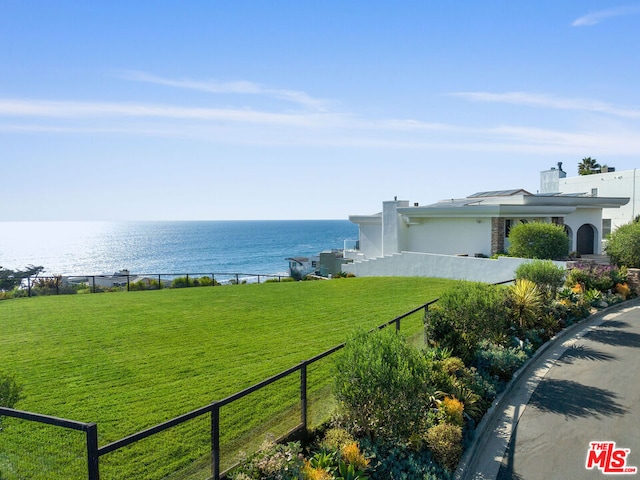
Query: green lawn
x=131, y=360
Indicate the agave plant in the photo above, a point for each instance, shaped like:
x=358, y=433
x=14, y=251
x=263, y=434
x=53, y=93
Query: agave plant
x=526, y=302
x=593, y=297
x=469, y=399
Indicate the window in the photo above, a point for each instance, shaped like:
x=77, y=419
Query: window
x=594, y=192
x=606, y=227
x=507, y=227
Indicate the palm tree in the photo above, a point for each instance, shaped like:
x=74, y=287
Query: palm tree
x=588, y=166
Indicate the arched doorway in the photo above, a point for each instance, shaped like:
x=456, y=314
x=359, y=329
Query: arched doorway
x=586, y=239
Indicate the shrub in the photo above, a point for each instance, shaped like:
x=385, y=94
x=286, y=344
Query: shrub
x=138, y=286
x=273, y=461
x=465, y=315
x=452, y=409
x=181, y=282
x=393, y=461
x=352, y=455
x=10, y=391
x=445, y=442
x=499, y=361
x=544, y=241
x=336, y=438
x=545, y=274
x=623, y=290
x=591, y=276
x=207, y=282
x=380, y=384
x=623, y=245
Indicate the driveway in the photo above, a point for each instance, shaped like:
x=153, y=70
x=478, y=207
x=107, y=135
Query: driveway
x=583, y=388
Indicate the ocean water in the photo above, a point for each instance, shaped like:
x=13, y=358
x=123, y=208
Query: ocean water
x=94, y=248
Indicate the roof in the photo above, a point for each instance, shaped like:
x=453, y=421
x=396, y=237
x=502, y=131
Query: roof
x=502, y=203
x=500, y=193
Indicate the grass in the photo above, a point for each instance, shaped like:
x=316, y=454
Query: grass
x=128, y=361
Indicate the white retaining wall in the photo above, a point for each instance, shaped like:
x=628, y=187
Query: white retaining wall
x=412, y=264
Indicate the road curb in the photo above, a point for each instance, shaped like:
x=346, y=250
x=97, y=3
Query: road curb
x=468, y=464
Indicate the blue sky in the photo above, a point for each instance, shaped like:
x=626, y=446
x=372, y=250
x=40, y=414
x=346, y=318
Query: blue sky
x=217, y=110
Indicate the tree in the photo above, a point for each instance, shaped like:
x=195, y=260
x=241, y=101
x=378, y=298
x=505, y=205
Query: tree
x=588, y=166
x=544, y=241
x=623, y=245
x=9, y=279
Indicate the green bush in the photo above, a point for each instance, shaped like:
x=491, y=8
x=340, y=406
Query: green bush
x=380, y=385
x=445, y=442
x=207, y=282
x=181, y=282
x=623, y=245
x=394, y=461
x=138, y=286
x=10, y=391
x=465, y=315
x=499, y=361
x=548, y=276
x=593, y=277
x=545, y=241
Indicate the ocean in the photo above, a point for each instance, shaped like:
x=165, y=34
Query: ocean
x=95, y=248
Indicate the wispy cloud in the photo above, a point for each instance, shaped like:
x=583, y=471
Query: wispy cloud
x=596, y=17
x=74, y=109
x=238, y=87
x=614, y=134
x=550, y=101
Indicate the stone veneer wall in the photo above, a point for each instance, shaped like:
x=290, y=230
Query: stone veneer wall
x=633, y=278
x=497, y=235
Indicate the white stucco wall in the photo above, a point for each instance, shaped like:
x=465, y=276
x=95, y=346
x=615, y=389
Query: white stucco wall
x=371, y=240
x=615, y=184
x=415, y=264
x=591, y=216
x=393, y=228
x=451, y=236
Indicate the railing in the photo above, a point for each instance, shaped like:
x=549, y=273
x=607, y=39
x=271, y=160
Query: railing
x=90, y=430
x=94, y=453
x=59, y=285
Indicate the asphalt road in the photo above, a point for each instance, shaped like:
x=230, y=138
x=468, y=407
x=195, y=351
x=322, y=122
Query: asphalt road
x=585, y=388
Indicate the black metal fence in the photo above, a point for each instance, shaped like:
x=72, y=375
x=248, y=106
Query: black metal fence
x=214, y=462
x=69, y=284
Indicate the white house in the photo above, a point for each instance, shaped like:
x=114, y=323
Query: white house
x=396, y=240
x=606, y=184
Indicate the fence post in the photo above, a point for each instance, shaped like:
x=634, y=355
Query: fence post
x=57, y=285
x=398, y=326
x=303, y=395
x=93, y=284
x=215, y=442
x=128, y=289
x=424, y=324
x=29, y=285
x=93, y=461
x=159, y=283
x=188, y=280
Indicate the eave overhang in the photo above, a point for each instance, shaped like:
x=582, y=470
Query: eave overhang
x=366, y=219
